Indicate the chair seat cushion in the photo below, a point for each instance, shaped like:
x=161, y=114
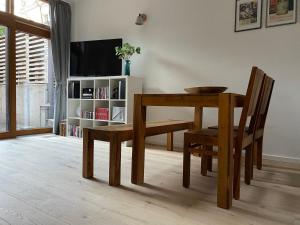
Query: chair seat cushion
x=210, y=137
x=235, y=128
x=207, y=132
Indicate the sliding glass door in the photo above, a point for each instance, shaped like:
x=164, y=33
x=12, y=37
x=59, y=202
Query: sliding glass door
x=26, y=75
x=34, y=82
x=4, y=107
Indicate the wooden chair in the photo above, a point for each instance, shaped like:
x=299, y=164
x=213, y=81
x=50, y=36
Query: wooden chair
x=260, y=123
x=202, y=141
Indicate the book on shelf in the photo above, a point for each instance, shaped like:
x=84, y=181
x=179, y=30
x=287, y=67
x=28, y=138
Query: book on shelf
x=102, y=93
x=119, y=90
x=88, y=93
x=74, y=130
x=118, y=113
x=74, y=89
x=101, y=114
x=87, y=115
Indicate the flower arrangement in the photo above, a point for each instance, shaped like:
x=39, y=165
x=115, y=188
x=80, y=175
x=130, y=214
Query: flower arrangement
x=126, y=51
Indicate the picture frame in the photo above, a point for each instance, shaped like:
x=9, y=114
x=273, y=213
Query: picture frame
x=248, y=15
x=281, y=12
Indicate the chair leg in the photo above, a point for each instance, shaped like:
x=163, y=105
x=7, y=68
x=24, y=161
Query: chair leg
x=209, y=159
x=248, y=165
x=170, y=140
x=186, y=163
x=254, y=158
x=206, y=160
x=259, y=153
x=254, y=153
x=237, y=174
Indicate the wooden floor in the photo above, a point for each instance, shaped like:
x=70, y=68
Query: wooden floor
x=41, y=183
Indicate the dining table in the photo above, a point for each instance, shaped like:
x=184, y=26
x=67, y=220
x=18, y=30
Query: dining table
x=224, y=102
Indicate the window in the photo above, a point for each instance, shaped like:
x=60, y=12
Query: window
x=2, y=5
x=35, y=10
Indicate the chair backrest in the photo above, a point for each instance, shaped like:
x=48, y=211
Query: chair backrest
x=251, y=103
x=265, y=102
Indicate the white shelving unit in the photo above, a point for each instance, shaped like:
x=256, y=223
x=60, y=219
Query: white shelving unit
x=75, y=106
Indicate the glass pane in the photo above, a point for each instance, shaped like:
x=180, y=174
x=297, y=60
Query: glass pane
x=3, y=82
x=35, y=84
x=2, y=5
x=35, y=10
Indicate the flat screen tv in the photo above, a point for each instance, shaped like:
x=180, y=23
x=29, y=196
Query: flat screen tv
x=95, y=58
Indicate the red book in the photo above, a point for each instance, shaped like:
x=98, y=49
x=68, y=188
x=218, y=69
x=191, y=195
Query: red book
x=102, y=114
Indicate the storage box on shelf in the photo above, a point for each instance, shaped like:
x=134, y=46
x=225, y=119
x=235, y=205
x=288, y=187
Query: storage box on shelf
x=100, y=101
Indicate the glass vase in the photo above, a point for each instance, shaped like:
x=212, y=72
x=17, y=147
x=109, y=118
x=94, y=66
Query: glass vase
x=127, y=67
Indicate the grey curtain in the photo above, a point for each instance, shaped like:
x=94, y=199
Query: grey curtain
x=60, y=15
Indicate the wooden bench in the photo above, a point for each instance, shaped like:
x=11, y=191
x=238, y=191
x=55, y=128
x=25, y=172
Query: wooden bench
x=115, y=135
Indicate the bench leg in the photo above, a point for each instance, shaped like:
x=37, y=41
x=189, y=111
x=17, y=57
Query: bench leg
x=88, y=155
x=115, y=161
x=170, y=139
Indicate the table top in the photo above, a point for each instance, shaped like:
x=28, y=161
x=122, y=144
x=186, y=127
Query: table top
x=188, y=100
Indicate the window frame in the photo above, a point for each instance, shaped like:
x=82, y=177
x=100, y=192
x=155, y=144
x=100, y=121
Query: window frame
x=14, y=24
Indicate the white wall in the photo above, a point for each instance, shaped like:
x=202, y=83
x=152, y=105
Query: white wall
x=192, y=43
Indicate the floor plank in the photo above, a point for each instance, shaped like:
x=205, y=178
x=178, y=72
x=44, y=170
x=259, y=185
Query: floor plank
x=41, y=183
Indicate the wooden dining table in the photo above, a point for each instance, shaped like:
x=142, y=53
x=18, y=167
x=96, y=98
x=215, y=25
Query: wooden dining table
x=225, y=102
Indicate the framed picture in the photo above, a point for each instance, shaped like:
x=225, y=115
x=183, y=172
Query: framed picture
x=248, y=15
x=281, y=12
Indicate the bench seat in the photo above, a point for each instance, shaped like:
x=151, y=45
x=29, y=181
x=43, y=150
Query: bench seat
x=115, y=135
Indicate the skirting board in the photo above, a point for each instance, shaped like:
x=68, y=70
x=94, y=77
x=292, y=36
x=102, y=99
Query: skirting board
x=281, y=158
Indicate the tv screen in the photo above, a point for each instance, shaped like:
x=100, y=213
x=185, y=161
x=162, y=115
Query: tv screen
x=95, y=58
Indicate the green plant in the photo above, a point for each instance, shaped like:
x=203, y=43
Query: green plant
x=126, y=51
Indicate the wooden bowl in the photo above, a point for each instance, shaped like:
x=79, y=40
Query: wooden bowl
x=205, y=90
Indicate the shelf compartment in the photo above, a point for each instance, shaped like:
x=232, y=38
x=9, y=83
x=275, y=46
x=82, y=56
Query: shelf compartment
x=118, y=111
x=73, y=128
x=102, y=90
x=74, y=109
x=87, y=109
x=74, y=90
x=118, y=88
x=87, y=84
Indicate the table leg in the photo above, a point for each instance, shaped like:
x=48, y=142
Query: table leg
x=138, y=148
x=88, y=154
x=225, y=153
